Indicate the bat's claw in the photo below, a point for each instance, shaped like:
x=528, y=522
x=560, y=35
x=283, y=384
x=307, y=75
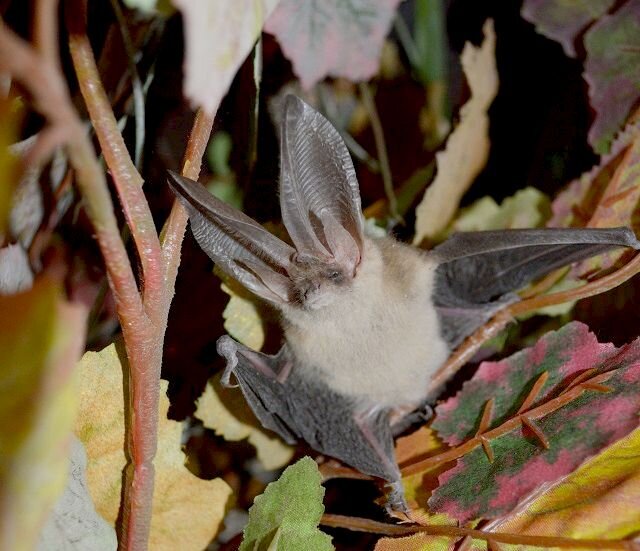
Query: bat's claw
x=228, y=349
x=396, y=502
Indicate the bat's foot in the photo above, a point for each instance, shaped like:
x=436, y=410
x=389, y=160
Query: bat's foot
x=396, y=502
x=421, y=416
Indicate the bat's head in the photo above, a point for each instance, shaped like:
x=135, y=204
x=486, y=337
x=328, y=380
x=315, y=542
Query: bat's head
x=320, y=203
x=317, y=284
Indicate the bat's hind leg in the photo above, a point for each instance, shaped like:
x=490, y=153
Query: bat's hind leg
x=380, y=441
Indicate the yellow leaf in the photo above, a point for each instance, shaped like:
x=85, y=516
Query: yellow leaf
x=226, y=412
x=242, y=319
x=467, y=148
x=527, y=208
x=187, y=511
x=41, y=338
x=9, y=115
x=599, y=500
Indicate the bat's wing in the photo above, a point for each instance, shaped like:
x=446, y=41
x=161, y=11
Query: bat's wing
x=319, y=194
x=236, y=243
x=300, y=408
x=479, y=271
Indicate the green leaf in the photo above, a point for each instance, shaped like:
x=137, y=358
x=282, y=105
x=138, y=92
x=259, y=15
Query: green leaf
x=286, y=516
x=430, y=41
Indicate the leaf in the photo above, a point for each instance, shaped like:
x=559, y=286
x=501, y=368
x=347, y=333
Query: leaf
x=218, y=37
x=527, y=208
x=9, y=115
x=467, y=148
x=187, y=511
x=611, y=69
x=41, y=337
x=606, y=196
x=332, y=38
x=578, y=428
x=289, y=510
x=226, y=412
x=563, y=20
x=599, y=500
x=241, y=316
x=74, y=524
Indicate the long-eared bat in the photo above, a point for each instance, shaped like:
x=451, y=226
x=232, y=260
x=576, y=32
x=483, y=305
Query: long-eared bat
x=367, y=321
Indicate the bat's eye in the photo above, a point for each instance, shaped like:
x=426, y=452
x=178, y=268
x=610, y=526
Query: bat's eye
x=335, y=276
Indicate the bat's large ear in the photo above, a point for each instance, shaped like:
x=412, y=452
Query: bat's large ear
x=236, y=243
x=319, y=193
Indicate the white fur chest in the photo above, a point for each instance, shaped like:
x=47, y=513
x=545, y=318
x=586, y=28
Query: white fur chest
x=379, y=341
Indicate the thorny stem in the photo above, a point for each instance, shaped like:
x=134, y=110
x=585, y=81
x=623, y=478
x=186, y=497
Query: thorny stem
x=524, y=417
x=396, y=530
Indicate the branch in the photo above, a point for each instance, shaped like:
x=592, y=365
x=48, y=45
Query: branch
x=374, y=527
x=470, y=346
x=125, y=175
x=173, y=230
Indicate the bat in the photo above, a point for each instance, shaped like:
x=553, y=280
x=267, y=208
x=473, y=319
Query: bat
x=367, y=321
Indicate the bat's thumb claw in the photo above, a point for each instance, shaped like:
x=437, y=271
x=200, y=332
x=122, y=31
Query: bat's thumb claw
x=228, y=349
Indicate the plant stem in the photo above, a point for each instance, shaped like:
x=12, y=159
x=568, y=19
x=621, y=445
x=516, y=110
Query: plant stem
x=125, y=176
x=174, y=228
x=470, y=346
x=381, y=146
x=375, y=527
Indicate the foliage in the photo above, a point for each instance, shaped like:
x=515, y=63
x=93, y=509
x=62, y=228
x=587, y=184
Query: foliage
x=545, y=442
x=467, y=148
x=40, y=339
x=538, y=447
x=332, y=38
x=286, y=515
x=611, y=46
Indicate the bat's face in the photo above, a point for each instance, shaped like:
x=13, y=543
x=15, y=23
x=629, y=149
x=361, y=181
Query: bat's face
x=318, y=284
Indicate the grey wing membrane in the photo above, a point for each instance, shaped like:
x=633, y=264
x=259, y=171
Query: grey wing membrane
x=301, y=408
x=319, y=194
x=478, y=271
x=236, y=243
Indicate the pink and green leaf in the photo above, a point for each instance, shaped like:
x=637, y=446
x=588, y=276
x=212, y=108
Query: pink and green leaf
x=562, y=354
x=611, y=69
x=332, y=37
x=575, y=432
x=563, y=20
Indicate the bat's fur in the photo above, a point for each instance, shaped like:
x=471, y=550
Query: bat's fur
x=353, y=342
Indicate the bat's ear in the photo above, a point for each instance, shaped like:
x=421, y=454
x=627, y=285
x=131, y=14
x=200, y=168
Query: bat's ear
x=237, y=244
x=319, y=193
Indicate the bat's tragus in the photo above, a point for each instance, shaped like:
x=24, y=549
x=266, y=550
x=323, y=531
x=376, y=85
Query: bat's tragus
x=367, y=321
